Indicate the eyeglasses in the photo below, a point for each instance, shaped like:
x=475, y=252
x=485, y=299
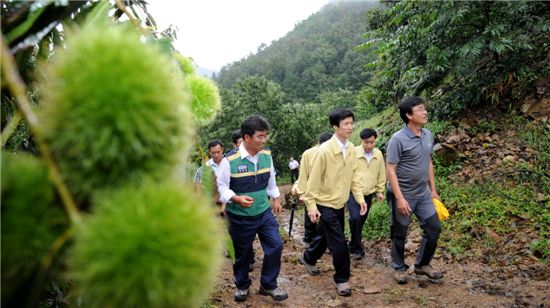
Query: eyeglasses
x=420, y=109
x=262, y=138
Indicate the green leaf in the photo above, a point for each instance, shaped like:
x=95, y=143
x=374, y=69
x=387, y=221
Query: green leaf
x=99, y=16
x=25, y=26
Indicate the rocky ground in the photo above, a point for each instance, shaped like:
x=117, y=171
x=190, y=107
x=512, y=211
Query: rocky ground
x=467, y=283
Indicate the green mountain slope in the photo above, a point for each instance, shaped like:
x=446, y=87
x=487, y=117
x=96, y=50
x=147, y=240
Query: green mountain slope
x=317, y=54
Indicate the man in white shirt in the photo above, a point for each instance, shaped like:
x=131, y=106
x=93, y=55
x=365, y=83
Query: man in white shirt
x=216, y=153
x=293, y=165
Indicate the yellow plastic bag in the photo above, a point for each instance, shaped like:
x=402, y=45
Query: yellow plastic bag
x=442, y=212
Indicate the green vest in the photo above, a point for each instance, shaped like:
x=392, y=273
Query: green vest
x=247, y=180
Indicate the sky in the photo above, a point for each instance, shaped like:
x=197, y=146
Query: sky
x=218, y=32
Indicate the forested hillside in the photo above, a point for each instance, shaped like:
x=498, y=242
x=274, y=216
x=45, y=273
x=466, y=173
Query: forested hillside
x=317, y=54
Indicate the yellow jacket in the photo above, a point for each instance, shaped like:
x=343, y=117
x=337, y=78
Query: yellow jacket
x=306, y=164
x=331, y=178
x=373, y=174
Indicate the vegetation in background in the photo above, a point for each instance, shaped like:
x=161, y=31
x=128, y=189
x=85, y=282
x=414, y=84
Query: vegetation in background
x=318, y=55
x=457, y=54
x=377, y=225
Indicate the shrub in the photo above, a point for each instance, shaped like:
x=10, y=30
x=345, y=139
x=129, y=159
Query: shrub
x=378, y=222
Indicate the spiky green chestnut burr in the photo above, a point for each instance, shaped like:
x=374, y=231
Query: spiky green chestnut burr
x=205, y=98
x=156, y=245
x=114, y=110
x=186, y=64
x=31, y=220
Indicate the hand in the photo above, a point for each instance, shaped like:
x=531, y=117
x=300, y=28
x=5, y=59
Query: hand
x=245, y=201
x=403, y=207
x=363, y=209
x=436, y=195
x=294, y=189
x=302, y=198
x=379, y=196
x=314, y=215
x=222, y=209
x=277, y=208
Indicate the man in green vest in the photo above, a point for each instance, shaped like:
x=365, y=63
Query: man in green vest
x=246, y=181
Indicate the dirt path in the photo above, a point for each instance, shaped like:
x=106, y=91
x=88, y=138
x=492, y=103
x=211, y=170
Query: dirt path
x=466, y=283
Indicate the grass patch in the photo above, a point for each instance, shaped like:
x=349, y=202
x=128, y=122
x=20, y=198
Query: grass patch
x=377, y=225
x=495, y=205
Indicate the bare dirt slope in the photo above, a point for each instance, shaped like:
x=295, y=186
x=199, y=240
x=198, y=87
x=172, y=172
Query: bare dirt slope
x=467, y=283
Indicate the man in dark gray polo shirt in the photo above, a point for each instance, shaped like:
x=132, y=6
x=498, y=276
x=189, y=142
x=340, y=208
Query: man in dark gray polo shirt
x=411, y=187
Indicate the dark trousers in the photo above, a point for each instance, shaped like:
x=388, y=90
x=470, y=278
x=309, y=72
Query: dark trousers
x=243, y=230
x=331, y=235
x=356, y=223
x=424, y=211
x=293, y=175
x=310, y=228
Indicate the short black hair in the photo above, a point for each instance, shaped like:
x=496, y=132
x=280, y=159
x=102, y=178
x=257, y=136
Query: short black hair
x=338, y=115
x=253, y=124
x=236, y=135
x=406, y=106
x=324, y=137
x=213, y=143
x=366, y=133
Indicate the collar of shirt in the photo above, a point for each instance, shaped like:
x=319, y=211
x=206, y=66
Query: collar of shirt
x=211, y=163
x=342, y=146
x=369, y=155
x=245, y=154
x=411, y=134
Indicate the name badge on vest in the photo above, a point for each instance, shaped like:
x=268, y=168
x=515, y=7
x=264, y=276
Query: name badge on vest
x=242, y=168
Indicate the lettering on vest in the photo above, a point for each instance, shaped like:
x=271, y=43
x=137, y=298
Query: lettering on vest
x=242, y=168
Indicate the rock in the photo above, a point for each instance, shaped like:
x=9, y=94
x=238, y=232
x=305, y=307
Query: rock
x=509, y=158
x=453, y=139
x=492, y=235
x=371, y=290
x=409, y=246
x=334, y=303
x=446, y=152
x=536, y=108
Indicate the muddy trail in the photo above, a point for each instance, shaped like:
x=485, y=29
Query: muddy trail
x=467, y=283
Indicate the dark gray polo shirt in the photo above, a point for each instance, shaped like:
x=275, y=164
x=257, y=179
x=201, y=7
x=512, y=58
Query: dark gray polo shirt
x=412, y=154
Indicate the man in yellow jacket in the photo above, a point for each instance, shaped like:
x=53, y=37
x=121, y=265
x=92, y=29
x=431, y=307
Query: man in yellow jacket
x=373, y=177
x=334, y=173
x=306, y=164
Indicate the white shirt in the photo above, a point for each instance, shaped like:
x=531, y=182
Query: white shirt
x=293, y=164
x=368, y=156
x=224, y=177
x=210, y=163
x=343, y=147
